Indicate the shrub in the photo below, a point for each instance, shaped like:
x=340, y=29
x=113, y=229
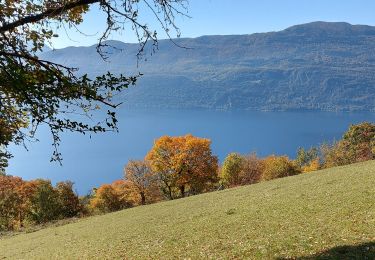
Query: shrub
x=278, y=167
x=111, y=197
x=312, y=166
x=241, y=169
x=306, y=157
x=356, y=145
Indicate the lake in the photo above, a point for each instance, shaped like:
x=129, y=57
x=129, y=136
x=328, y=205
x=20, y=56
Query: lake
x=91, y=162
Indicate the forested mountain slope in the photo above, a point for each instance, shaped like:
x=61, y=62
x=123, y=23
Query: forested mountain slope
x=320, y=65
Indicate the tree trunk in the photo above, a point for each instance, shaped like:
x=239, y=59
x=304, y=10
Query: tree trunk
x=143, y=198
x=170, y=193
x=182, y=191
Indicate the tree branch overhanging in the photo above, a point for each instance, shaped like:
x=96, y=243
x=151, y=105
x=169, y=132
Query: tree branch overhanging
x=50, y=12
x=36, y=91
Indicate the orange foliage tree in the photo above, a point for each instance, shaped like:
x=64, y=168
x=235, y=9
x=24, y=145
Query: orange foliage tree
x=183, y=163
x=111, y=197
x=36, y=201
x=10, y=201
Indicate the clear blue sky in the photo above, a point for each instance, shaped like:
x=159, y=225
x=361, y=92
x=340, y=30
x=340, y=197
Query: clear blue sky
x=237, y=17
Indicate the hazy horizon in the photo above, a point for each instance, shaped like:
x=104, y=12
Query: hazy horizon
x=204, y=35
x=226, y=18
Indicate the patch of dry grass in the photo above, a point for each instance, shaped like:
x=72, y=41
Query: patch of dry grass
x=301, y=216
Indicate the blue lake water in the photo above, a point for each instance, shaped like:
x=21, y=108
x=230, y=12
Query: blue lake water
x=91, y=162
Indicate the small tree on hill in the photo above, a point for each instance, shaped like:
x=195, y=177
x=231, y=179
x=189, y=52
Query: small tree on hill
x=141, y=180
x=305, y=157
x=232, y=169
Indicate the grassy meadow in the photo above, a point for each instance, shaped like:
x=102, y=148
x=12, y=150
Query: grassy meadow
x=328, y=214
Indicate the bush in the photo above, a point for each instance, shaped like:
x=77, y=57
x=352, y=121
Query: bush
x=278, y=167
x=111, y=197
x=356, y=145
x=306, y=157
x=312, y=166
x=34, y=202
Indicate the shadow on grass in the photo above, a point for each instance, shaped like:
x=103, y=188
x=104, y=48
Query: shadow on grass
x=361, y=251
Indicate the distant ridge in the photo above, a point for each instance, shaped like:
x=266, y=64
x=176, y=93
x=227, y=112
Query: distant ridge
x=313, y=66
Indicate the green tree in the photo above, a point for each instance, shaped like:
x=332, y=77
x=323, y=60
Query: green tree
x=232, y=169
x=44, y=92
x=4, y=157
x=356, y=145
x=305, y=157
x=359, y=141
x=241, y=169
x=45, y=203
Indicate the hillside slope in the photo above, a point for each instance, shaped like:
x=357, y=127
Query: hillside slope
x=328, y=212
x=320, y=65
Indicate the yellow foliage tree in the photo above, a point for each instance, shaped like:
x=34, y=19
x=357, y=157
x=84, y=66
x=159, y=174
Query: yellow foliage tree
x=278, y=167
x=312, y=166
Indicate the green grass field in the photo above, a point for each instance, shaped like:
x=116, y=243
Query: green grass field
x=328, y=214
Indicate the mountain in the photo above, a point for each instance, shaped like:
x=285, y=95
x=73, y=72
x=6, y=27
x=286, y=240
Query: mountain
x=314, y=66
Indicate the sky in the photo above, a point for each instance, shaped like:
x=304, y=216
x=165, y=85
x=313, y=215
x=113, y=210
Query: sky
x=213, y=17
